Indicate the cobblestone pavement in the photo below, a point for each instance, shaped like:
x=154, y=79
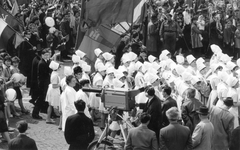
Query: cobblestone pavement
x=47, y=136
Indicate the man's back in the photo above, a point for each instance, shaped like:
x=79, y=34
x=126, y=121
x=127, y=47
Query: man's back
x=141, y=138
x=168, y=103
x=202, y=135
x=22, y=142
x=222, y=121
x=175, y=137
x=79, y=131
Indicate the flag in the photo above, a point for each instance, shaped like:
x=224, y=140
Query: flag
x=110, y=11
x=10, y=19
x=15, y=8
x=6, y=33
x=140, y=12
x=18, y=39
x=98, y=37
x=80, y=31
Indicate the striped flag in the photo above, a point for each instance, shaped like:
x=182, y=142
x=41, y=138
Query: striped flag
x=6, y=33
x=110, y=11
x=10, y=19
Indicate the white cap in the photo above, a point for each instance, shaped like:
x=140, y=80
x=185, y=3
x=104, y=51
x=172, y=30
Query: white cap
x=67, y=71
x=225, y=58
x=238, y=62
x=156, y=66
x=223, y=76
x=146, y=66
x=180, y=59
x=152, y=71
x=151, y=58
x=180, y=69
x=163, y=57
x=230, y=65
x=153, y=78
x=163, y=64
x=97, y=51
x=54, y=65
x=215, y=48
x=186, y=76
x=111, y=70
x=80, y=53
x=165, y=52
x=200, y=66
x=132, y=56
x=195, y=80
x=107, y=56
x=200, y=60
x=190, y=59
x=215, y=66
x=126, y=58
x=10, y=94
x=138, y=65
x=86, y=67
x=232, y=81
x=117, y=83
x=101, y=67
x=118, y=74
x=75, y=58
x=122, y=69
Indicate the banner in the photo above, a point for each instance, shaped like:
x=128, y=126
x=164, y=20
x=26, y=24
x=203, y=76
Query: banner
x=5, y=34
x=98, y=37
x=110, y=11
x=10, y=19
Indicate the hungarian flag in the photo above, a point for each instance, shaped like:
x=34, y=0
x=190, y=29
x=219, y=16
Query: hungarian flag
x=6, y=33
x=110, y=11
x=9, y=18
x=98, y=37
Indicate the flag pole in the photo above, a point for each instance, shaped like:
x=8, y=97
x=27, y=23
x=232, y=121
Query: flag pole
x=131, y=33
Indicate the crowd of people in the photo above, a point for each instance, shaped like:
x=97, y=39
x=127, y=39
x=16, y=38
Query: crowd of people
x=188, y=102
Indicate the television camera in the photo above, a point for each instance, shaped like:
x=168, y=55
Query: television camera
x=121, y=99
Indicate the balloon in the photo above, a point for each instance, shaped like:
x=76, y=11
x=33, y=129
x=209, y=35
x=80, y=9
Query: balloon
x=17, y=77
x=52, y=29
x=49, y=21
x=11, y=94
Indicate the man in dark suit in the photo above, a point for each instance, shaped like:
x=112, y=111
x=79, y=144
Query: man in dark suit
x=43, y=76
x=235, y=138
x=175, y=136
x=168, y=103
x=22, y=141
x=153, y=108
x=79, y=131
x=34, y=83
x=141, y=137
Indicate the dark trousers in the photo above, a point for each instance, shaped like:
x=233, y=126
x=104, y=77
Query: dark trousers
x=40, y=103
x=170, y=41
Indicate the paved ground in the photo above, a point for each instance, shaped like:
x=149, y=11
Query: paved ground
x=47, y=136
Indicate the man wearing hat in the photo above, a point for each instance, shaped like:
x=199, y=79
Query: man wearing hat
x=175, y=136
x=203, y=132
x=223, y=122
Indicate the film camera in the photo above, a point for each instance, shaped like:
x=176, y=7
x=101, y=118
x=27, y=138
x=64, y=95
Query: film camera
x=122, y=99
